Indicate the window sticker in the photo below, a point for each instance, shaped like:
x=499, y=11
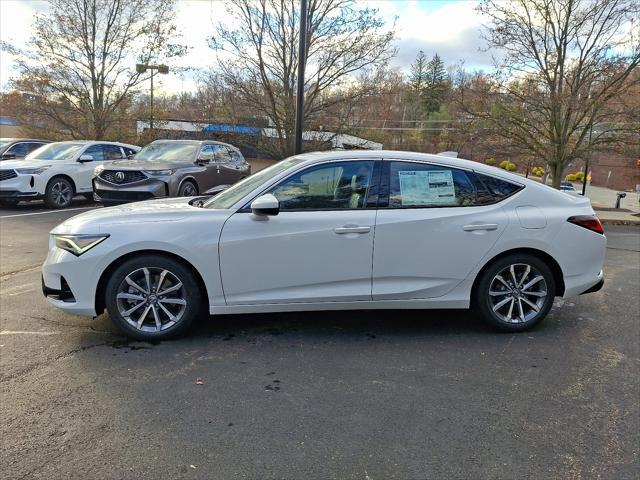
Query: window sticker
x=430, y=187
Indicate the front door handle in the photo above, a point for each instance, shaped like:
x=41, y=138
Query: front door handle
x=482, y=226
x=351, y=229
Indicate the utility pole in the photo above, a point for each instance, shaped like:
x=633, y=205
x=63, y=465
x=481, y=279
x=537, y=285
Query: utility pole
x=586, y=163
x=143, y=67
x=302, y=55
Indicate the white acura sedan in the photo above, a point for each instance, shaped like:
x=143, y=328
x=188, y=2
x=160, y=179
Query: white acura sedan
x=332, y=231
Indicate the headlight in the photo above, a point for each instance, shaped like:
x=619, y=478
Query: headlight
x=159, y=173
x=78, y=244
x=32, y=171
x=98, y=170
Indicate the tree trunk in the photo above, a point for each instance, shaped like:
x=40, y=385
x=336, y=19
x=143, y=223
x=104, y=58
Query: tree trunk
x=556, y=175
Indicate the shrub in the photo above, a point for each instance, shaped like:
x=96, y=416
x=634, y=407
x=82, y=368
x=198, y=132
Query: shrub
x=511, y=167
x=537, y=171
x=579, y=176
x=571, y=177
x=490, y=161
x=503, y=164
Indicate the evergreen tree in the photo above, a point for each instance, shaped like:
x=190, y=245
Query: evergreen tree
x=435, y=85
x=418, y=73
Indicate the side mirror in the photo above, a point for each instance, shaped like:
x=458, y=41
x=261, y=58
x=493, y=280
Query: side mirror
x=204, y=158
x=265, y=205
x=8, y=156
x=85, y=158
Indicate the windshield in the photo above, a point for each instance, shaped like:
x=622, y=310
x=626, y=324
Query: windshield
x=168, y=151
x=233, y=194
x=55, y=151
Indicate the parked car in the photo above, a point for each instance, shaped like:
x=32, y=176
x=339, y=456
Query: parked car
x=170, y=168
x=333, y=231
x=16, y=148
x=56, y=172
x=567, y=187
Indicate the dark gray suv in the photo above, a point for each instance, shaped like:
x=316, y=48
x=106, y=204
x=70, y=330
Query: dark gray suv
x=170, y=168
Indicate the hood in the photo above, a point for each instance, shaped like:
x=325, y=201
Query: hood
x=134, y=164
x=163, y=210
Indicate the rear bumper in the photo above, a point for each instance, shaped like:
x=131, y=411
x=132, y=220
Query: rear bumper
x=597, y=287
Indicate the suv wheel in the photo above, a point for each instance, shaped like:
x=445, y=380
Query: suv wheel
x=515, y=293
x=188, y=189
x=152, y=298
x=59, y=193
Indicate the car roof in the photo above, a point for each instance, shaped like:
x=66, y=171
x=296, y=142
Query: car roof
x=91, y=142
x=14, y=140
x=390, y=155
x=198, y=142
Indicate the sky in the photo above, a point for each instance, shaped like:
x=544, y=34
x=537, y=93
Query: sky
x=449, y=27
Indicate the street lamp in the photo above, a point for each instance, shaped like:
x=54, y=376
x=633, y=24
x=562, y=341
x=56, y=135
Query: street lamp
x=302, y=47
x=143, y=67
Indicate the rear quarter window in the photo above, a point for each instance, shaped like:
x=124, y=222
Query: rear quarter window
x=492, y=190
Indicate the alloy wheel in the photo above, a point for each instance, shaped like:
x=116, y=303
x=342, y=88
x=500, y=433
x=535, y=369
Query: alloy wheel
x=517, y=293
x=151, y=299
x=189, y=190
x=61, y=193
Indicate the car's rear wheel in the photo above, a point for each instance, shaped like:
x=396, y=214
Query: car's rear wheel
x=152, y=297
x=515, y=293
x=188, y=189
x=59, y=193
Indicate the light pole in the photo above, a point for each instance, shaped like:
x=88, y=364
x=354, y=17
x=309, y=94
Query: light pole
x=302, y=48
x=143, y=67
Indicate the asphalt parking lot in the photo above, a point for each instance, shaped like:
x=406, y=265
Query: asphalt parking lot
x=370, y=395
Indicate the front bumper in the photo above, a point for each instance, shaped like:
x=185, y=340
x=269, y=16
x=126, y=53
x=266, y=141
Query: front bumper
x=146, y=189
x=69, y=282
x=22, y=187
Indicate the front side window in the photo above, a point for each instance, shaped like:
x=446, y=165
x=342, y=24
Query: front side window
x=33, y=146
x=19, y=150
x=340, y=185
x=96, y=153
x=220, y=154
x=413, y=185
x=56, y=151
x=112, y=152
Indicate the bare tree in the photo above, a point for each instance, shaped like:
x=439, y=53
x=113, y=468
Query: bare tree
x=82, y=64
x=258, y=58
x=564, y=64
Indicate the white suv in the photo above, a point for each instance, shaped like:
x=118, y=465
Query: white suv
x=58, y=171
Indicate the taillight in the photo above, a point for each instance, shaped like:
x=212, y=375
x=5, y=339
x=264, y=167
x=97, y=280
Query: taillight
x=590, y=222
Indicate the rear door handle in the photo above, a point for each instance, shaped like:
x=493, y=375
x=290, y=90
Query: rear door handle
x=482, y=226
x=351, y=229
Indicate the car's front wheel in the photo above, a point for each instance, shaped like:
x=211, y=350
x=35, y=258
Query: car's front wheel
x=188, y=189
x=515, y=293
x=153, y=297
x=59, y=193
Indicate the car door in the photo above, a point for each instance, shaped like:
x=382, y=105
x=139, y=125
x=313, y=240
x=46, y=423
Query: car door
x=317, y=249
x=431, y=230
x=83, y=169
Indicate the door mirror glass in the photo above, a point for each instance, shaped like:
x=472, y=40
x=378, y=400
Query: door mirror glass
x=265, y=205
x=85, y=158
x=8, y=156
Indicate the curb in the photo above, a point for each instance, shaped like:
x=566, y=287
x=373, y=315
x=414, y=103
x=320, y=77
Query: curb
x=612, y=221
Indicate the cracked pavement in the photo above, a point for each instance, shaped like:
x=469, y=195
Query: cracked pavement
x=387, y=394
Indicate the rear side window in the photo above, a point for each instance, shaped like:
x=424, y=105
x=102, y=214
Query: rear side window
x=415, y=185
x=32, y=146
x=492, y=189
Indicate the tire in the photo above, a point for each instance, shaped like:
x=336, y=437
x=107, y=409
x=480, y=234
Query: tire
x=127, y=311
x=59, y=193
x=8, y=203
x=499, y=298
x=188, y=189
